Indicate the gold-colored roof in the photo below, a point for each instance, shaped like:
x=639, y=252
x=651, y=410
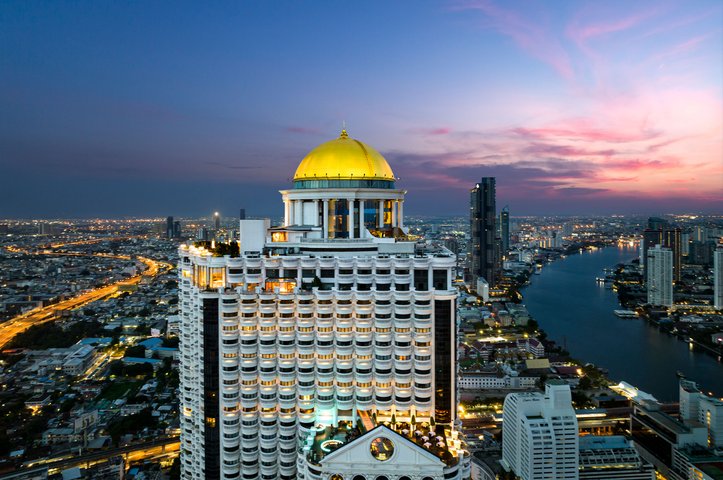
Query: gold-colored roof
x=344, y=159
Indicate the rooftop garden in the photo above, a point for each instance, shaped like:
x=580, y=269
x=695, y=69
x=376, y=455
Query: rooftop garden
x=220, y=249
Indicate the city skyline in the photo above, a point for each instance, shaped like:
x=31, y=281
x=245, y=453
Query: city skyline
x=575, y=108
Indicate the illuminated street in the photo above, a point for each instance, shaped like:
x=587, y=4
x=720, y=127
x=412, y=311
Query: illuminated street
x=37, y=316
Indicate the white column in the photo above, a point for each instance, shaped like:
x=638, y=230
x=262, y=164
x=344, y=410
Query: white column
x=286, y=211
x=400, y=218
x=292, y=218
x=316, y=213
x=394, y=213
x=299, y=212
x=325, y=220
x=361, y=219
x=381, y=214
x=350, y=220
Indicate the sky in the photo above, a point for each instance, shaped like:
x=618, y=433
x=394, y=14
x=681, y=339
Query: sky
x=183, y=108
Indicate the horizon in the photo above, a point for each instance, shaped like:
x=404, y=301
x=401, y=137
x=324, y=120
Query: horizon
x=577, y=108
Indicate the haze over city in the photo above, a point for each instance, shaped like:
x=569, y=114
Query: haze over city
x=116, y=109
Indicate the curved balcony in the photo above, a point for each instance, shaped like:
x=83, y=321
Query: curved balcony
x=345, y=399
x=380, y=262
x=325, y=398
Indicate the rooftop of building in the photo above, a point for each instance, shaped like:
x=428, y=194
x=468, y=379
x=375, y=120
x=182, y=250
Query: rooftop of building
x=328, y=439
x=232, y=249
x=595, y=442
x=344, y=158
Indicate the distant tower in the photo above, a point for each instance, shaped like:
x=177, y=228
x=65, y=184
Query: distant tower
x=169, y=227
x=539, y=434
x=483, y=231
x=659, y=232
x=242, y=214
x=202, y=234
x=216, y=221
x=718, y=277
x=660, y=276
x=176, y=229
x=505, y=229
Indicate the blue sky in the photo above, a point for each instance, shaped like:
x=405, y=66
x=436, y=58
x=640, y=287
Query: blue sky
x=155, y=108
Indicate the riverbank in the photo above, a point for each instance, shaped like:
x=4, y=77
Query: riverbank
x=577, y=314
x=692, y=324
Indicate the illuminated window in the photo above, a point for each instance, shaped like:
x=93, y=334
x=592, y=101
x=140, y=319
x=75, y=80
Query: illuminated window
x=279, y=237
x=283, y=286
x=218, y=277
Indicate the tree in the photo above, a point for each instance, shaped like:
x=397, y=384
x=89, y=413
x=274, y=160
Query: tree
x=585, y=383
x=136, y=351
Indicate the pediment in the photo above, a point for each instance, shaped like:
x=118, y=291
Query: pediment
x=382, y=450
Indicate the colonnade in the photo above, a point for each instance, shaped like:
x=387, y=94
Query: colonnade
x=294, y=213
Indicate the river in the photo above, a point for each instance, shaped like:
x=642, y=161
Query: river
x=577, y=312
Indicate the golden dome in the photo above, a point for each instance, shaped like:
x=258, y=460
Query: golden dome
x=344, y=159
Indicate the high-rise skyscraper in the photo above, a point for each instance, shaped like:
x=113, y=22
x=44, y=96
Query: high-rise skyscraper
x=718, y=277
x=315, y=332
x=484, y=257
x=216, y=221
x=659, y=232
x=169, y=227
x=505, y=230
x=659, y=282
x=539, y=434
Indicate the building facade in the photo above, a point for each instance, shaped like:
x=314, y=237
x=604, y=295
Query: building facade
x=484, y=241
x=659, y=282
x=306, y=336
x=505, y=230
x=540, y=435
x=718, y=277
x=659, y=232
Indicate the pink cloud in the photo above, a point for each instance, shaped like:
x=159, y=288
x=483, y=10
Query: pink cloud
x=579, y=129
x=581, y=33
x=528, y=33
x=431, y=131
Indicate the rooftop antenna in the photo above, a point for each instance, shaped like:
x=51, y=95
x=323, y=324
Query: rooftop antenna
x=343, y=129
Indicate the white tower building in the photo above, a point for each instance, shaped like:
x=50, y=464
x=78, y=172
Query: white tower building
x=539, y=434
x=718, y=277
x=304, y=338
x=660, y=276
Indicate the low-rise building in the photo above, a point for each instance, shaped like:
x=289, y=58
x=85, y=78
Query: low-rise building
x=610, y=458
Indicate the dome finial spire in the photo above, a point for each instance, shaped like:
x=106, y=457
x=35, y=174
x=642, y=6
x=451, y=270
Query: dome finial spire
x=343, y=130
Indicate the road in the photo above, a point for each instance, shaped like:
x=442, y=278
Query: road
x=40, y=315
x=150, y=450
